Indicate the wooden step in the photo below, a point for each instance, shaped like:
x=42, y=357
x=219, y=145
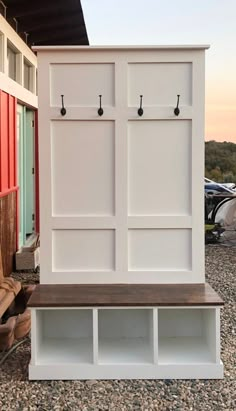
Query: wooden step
x=115, y=295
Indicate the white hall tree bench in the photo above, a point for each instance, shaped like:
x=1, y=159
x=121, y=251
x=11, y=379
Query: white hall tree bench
x=125, y=331
x=121, y=151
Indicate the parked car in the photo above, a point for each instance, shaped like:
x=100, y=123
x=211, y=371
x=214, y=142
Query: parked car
x=216, y=188
x=230, y=185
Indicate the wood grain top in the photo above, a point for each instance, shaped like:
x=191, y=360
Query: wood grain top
x=117, y=295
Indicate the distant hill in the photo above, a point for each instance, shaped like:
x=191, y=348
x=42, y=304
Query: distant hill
x=220, y=161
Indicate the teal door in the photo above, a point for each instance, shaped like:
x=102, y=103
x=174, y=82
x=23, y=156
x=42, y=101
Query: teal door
x=25, y=150
x=29, y=172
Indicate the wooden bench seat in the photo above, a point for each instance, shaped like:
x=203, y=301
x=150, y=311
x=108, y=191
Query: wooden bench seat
x=115, y=295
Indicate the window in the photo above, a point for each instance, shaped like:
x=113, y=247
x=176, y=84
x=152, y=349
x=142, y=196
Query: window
x=28, y=75
x=1, y=52
x=11, y=61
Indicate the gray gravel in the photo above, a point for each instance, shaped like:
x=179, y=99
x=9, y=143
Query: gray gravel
x=18, y=394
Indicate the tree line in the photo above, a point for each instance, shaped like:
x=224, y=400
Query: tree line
x=220, y=161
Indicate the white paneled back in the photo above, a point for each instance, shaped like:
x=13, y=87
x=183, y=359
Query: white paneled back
x=121, y=194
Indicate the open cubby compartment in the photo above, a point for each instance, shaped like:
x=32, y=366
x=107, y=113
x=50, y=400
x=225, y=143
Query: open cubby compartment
x=64, y=336
x=125, y=336
x=188, y=335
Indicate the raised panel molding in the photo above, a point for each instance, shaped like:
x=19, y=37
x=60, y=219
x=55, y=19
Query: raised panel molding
x=83, y=168
x=160, y=83
x=124, y=190
x=82, y=83
x=159, y=164
x=83, y=250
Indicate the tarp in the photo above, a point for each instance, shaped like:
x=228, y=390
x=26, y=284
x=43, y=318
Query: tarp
x=226, y=214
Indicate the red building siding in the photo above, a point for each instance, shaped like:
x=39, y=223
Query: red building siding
x=8, y=181
x=8, y=163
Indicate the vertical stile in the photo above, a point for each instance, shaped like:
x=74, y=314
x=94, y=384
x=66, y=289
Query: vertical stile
x=198, y=95
x=34, y=337
x=95, y=336
x=217, y=334
x=155, y=335
x=121, y=166
x=45, y=158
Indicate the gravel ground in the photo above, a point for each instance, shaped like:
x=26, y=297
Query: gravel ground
x=18, y=394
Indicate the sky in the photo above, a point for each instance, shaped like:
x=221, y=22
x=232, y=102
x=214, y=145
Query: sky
x=213, y=22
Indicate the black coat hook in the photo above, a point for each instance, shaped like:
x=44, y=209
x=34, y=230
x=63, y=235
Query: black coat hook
x=100, y=110
x=140, y=110
x=63, y=110
x=177, y=110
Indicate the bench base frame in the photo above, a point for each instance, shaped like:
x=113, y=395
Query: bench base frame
x=71, y=343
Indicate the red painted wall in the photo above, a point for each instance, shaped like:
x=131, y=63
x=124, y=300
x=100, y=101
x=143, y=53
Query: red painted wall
x=8, y=181
x=8, y=163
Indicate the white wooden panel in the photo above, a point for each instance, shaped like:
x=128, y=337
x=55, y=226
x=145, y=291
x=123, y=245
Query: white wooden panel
x=67, y=323
x=36, y=335
x=184, y=350
x=180, y=322
x=76, y=250
x=81, y=84
x=66, y=336
x=125, y=351
x=209, y=329
x=89, y=113
x=125, y=336
x=73, y=223
x=198, y=169
x=82, y=167
x=160, y=167
x=184, y=336
x=159, y=249
x=159, y=222
x=124, y=323
x=157, y=113
x=95, y=336
x=160, y=83
x=77, y=371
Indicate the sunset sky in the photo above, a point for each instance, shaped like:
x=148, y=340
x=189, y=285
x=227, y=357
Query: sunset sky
x=139, y=22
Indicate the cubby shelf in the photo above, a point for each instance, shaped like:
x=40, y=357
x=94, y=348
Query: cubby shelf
x=64, y=336
x=125, y=336
x=187, y=336
x=65, y=351
x=124, y=351
x=183, y=350
x=136, y=342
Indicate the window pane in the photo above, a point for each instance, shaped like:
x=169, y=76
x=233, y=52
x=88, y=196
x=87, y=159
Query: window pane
x=11, y=62
x=26, y=76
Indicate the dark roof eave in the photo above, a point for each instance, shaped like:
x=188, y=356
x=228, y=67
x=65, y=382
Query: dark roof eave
x=46, y=22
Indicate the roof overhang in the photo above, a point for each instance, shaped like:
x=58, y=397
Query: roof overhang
x=47, y=22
